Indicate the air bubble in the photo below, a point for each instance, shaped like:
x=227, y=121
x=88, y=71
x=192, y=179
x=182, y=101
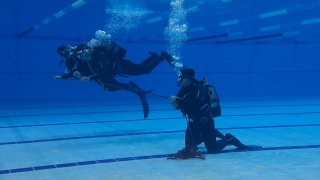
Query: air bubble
x=124, y=15
x=175, y=33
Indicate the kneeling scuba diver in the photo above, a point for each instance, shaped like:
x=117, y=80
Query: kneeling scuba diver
x=199, y=104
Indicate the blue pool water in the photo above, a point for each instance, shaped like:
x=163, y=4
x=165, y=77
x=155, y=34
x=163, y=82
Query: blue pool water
x=262, y=57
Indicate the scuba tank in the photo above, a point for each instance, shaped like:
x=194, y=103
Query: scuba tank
x=215, y=101
x=115, y=50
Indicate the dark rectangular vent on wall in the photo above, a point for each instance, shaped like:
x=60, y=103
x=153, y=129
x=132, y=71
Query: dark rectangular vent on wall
x=251, y=38
x=207, y=37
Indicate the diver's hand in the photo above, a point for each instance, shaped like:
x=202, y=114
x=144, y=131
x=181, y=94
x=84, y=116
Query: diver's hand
x=56, y=77
x=173, y=98
x=77, y=74
x=84, y=78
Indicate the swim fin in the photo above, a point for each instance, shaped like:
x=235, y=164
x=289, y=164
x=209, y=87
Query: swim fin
x=142, y=96
x=231, y=140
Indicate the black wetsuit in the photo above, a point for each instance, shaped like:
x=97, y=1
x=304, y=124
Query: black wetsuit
x=106, y=66
x=127, y=67
x=99, y=69
x=195, y=102
x=102, y=68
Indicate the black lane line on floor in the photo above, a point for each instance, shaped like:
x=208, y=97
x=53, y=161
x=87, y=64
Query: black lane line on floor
x=106, y=105
x=162, y=103
x=151, y=119
x=113, y=160
x=94, y=100
x=77, y=106
x=146, y=133
x=99, y=112
x=63, y=114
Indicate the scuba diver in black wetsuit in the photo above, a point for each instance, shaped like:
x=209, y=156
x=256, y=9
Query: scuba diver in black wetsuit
x=102, y=63
x=195, y=102
x=106, y=66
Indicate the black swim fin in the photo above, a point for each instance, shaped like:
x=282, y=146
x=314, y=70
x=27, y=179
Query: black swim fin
x=231, y=140
x=145, y=105
x=141, y=93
